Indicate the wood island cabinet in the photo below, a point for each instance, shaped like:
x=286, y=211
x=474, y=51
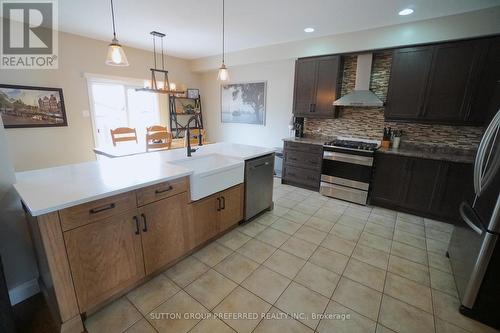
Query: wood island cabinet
x=105, y=257
x=94, y=252
x=163, y=231
x=215, y=214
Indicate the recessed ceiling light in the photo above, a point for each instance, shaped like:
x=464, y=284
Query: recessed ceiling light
x=406, y=11
x=309, y=30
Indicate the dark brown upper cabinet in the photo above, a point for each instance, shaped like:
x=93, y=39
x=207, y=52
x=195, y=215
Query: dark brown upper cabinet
x=440, y=83
x=486, y=101
x=410, y=70
x=317, y=86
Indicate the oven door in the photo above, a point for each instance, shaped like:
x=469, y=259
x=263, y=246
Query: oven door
x=347, y=169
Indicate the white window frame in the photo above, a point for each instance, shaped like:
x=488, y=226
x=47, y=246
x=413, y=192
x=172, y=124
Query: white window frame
x=108, y=79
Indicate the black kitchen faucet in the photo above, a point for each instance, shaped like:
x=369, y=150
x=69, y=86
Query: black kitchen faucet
x=200, y=139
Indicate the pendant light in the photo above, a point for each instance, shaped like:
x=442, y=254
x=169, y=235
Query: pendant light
x=116, y=56
x=162, y=84
x=223, y=72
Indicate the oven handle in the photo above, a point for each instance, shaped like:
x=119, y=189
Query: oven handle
x=348, y=158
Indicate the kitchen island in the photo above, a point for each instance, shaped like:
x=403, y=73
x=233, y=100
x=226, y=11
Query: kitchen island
x=102, y=228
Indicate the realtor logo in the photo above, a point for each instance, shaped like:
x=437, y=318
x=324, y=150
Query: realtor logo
x=29, y=34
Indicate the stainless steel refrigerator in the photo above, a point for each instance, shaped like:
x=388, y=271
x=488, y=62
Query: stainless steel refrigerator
x=474, y=249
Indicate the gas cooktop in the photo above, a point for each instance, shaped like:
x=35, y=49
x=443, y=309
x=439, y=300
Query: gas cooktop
x=365, y=145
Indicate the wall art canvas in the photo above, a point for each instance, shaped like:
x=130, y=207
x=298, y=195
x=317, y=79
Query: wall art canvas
x=24, y=106
x=244, y=103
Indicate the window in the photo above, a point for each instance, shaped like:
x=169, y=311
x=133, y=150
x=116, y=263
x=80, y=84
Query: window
x=120, y=105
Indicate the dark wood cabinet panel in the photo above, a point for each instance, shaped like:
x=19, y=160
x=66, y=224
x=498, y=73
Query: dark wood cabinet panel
x=388, y=175
x=446, y=83
x=456, y=186
x=425, y=187
x=452, y=79
x=487, y=95
x=302, y=165
x=317, y=85
x=421, y=184
x=305, y=86
x=326, y=86
x=409, y=73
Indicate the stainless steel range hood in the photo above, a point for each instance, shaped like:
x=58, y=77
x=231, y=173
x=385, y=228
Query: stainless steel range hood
x=361, y=95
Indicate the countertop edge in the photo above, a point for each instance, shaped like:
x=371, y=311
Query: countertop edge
x=38, y=212
x=45, y=209
x=429, y=156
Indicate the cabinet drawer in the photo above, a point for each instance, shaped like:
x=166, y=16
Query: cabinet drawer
x=306, y=177
x=307, y=147
x=95, y=210
x=303, y=159
x=161, y=190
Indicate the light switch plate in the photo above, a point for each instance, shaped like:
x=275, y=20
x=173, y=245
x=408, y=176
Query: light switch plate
x=86, y=113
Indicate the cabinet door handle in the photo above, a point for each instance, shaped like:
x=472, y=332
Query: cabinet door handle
x=145, y=229
x=169, y=188
x=102, y=208
x=136, y=220
x=223, y=203
x=218, y=204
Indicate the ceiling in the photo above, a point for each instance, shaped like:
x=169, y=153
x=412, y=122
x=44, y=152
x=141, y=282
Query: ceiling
x=193, y=27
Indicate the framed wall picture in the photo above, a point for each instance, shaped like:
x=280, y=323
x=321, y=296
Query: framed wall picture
x=192, y=93
x=244, y=103
x=25, y=106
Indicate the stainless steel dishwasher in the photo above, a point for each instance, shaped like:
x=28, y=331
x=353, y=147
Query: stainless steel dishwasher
x=258, y=185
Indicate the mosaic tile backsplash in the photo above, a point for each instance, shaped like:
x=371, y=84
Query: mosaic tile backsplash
x=369, y=122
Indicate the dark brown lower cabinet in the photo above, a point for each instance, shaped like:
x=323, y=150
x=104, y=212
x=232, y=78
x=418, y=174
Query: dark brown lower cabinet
x=426, y=187
x=302, y=165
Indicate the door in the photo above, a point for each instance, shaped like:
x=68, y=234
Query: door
x=388, y=179
x=409, y=74
x=203, y=223
x=163, y=234
x=422, y=184
x=231, y=211
x=105, y=257
x=305, y=86
x=328, y=69
x=452, y=80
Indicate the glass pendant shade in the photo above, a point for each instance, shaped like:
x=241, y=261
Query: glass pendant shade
x=116, y=55
x=223, y=73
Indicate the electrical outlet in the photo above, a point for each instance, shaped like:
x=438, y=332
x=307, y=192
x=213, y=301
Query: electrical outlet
x=86, y=113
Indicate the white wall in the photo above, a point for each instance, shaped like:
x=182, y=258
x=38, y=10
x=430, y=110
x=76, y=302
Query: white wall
x=279, y=77
x=34, y=148
x=15, y=244
x=468, y=25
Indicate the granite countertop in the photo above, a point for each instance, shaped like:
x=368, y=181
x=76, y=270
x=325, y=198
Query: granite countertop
x=309, y=140
x=434, y=152
x=419, y=150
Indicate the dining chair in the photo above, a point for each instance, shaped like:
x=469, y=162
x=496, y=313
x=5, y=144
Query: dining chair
x=158, y=137
x=122, y=134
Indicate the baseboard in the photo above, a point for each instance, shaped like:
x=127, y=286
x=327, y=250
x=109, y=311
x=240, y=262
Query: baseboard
x=24, y=291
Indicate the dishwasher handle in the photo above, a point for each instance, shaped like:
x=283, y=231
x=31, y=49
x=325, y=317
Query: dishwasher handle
x=259, y=165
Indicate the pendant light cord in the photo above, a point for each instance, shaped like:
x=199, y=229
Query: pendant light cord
x=113, y=18
x=223, y=30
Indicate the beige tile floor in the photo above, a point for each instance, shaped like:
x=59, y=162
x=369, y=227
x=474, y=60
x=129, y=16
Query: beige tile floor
x=313, y=264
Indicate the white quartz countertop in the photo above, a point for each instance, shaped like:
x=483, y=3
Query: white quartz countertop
x=48, y=190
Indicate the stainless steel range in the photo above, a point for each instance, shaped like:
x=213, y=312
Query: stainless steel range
x=347, y=168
